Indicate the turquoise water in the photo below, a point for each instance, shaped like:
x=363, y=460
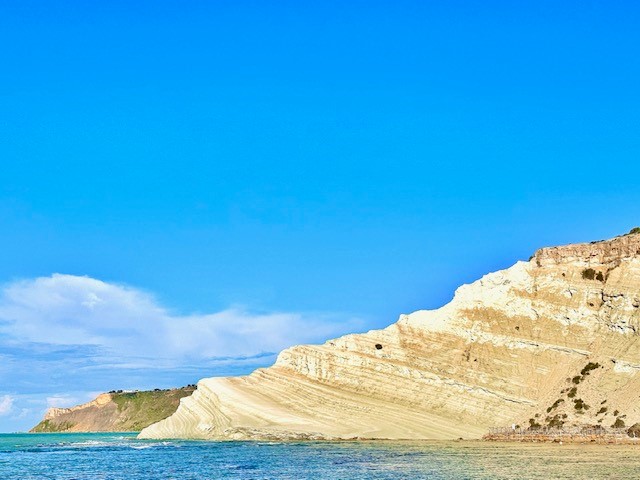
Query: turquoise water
x=122, y=456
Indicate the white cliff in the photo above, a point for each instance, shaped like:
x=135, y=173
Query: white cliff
x=503, y=351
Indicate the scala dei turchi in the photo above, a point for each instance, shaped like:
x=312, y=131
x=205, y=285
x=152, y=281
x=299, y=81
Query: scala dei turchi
x=552, y=341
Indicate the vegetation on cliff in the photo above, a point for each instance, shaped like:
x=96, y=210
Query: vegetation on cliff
x=547, y=345
x=121, y=411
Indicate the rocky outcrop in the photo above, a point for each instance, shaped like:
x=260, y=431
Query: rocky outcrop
x=508, y=349
x=604, y=253
x=114, y=412
x=99, y=402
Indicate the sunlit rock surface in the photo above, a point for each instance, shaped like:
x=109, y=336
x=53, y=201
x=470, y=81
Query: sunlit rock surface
x=503, y=351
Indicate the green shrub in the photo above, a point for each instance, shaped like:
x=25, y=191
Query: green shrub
x=634, y=230
x=591, y=274
x=555, y=405
x=634, y=430
x=572, y=392
x=580, y=405
x=555, y=422
x=588, y=367
x=619, y=423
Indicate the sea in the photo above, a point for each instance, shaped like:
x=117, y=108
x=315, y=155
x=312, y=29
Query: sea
x=118, y=456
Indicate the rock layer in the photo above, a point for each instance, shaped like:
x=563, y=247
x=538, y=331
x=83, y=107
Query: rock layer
x=503, y=351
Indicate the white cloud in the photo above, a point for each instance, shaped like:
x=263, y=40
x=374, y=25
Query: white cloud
x=81, y=336
x=6, y=404
x=132, y=328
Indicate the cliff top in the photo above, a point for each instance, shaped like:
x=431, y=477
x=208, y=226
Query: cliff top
x=602, y=252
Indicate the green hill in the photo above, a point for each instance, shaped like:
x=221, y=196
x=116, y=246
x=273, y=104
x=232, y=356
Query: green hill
x=116, y=411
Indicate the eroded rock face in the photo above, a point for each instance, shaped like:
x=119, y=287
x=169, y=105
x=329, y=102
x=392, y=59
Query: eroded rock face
x=114, y=412
x=504, y=350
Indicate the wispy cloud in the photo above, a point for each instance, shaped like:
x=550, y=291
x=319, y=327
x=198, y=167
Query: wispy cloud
x=129, y=324
x=68, y=333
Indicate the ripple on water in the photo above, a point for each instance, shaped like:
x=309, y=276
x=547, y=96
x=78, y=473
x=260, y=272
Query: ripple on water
x=115, y=457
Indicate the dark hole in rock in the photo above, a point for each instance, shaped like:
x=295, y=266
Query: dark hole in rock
x=378, y=346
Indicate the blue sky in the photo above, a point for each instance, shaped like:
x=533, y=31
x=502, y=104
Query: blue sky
x=181, y=179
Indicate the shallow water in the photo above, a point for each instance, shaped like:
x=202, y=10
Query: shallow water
x=122, y=456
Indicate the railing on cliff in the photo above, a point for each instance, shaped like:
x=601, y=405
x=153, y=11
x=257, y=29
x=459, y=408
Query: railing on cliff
x=510, y=433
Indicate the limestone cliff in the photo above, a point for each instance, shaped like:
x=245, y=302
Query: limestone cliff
x=114, y=412
x=550, y=341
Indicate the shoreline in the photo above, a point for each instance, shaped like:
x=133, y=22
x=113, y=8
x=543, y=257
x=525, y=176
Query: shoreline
x=517, y=438
x=603, y=439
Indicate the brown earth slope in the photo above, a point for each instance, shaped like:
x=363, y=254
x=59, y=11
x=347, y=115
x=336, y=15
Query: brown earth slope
x=115, y=412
